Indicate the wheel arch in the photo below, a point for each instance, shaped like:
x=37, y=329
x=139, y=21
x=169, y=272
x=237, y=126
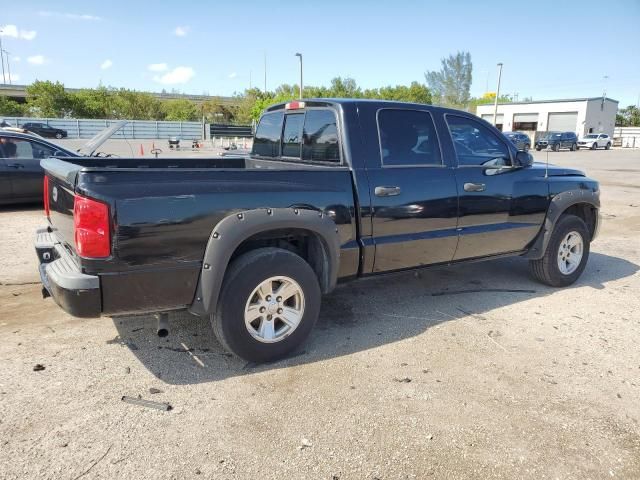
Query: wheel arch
x=308, y=233
x=584, y=204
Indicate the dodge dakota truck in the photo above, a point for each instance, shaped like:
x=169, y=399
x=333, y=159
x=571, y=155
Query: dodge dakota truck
x=333, y=190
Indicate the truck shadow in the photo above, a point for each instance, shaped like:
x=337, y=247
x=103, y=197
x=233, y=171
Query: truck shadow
x=358, y=316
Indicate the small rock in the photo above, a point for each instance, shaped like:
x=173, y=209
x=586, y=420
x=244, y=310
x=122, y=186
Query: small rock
x=618, y=395
x=62, y=443
x=404, y=364
x=198, y=472
x=403, y=380
x=304, y=443
x=429, y=437
x=38, y=367
x=127, y=369
x=153, y=391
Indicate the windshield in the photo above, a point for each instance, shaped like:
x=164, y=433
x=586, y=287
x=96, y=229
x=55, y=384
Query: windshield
x=552, y=135
x=591, y=136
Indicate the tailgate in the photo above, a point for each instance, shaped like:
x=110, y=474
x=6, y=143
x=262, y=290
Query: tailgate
x=61, y=176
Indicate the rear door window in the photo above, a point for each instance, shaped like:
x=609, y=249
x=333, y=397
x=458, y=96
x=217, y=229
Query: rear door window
x=267, y=138
x=292, y=135
x=408, y=138
x=320, y=137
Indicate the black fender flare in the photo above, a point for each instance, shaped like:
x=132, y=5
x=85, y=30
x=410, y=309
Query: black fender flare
x=231, y=231
x=559, y=203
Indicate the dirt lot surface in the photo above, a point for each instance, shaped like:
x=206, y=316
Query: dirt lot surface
x=468, y=372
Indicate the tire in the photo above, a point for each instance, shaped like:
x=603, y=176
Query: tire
x=594, y=146
x=547, y=269
x=243, y=277
x=556, y=147
x=527, y=147
x=608, y=146
x=58, y=135
x=574, y=147
x=538, y=149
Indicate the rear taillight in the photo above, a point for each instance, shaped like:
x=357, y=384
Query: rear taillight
x=45, y=193
x=91, y=221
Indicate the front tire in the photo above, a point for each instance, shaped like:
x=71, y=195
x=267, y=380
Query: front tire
x=58, y=136
x=594, y=146
x=556, y=147
x=574, y=147
x=566, y=255
x=270, y=301
x=608, y=146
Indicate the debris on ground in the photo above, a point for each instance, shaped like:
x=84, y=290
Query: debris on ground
x=147, y=403
x=402, y=380
x=38, y=367
x=305, y=443
x=153, y=391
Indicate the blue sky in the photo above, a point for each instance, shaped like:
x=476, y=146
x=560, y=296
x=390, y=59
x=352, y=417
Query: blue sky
x=550, y=49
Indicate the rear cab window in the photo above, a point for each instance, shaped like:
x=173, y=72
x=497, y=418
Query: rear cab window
x=309, y=136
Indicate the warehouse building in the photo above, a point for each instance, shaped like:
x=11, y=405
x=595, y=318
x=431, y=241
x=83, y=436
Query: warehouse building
x=579, y=115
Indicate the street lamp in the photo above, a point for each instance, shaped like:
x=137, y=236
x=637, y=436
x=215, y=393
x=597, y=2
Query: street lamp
x=495, y=107
x=8, y=65
x=300, y=55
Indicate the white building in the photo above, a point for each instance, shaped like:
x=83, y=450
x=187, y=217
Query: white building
x=579, y=115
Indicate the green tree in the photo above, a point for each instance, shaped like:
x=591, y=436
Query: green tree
x=93, y=103
x=415, y=93
x=11, y=108
x=452, y=83
x=180, y=110
x=48, y=99
x=133, y=105
x=344, y=88
x=628, y=117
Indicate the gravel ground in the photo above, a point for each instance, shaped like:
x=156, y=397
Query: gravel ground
x=435, y=374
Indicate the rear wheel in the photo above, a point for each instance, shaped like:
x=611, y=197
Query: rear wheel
x=268, y=305
x=527, y=147
x=574, y=147
x=566, y=255
x=556, y=147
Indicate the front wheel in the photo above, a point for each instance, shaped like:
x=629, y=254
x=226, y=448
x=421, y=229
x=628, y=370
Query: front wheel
x=608, y=146
x=574, y=147
x=538, y=149
x=58, y=136
x=556, y=147
x=566, y=255
x=594, y=146
x=269, y=303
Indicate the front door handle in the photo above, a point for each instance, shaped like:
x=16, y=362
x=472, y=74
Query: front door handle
x=387, y=191
x=474, y=187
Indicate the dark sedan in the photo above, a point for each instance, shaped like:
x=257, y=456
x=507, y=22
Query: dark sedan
x=20, y=170
x=45, y=130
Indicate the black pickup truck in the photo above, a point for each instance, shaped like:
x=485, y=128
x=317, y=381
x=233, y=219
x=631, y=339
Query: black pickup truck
x=333, y=190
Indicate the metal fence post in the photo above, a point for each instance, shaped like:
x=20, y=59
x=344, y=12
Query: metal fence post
x=157, y=134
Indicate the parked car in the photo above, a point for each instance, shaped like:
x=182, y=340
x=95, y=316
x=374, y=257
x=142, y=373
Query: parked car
x=333, y=190
x=557, y=140
x=595, y=141
x=21, y=175
x=520, y=140
x=45, y=130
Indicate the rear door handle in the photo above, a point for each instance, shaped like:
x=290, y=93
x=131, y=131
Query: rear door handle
x=474, y=187
x=387, y=191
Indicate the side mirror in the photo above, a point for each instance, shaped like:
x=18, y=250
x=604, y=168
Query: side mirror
x=524, y=159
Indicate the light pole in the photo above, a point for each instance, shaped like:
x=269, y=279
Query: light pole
x=300, y=55
x=4, y=79
x=495, y=107
x=8, y=65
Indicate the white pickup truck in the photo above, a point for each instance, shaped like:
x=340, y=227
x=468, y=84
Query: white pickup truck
x=595, y=141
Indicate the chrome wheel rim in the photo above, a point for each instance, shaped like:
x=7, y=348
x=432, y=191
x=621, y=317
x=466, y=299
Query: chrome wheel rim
x=274, y=309
x=570, y=253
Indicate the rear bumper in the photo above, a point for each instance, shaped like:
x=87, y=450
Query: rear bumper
x=74, y=291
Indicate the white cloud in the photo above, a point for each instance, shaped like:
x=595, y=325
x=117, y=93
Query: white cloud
x=106, y=64
x=71, y=16
x=14, y=32
x=157, y=67
x=37, y=60
x=181, y=31
x=233, y=75
x=16, y=59
x=176, y=76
